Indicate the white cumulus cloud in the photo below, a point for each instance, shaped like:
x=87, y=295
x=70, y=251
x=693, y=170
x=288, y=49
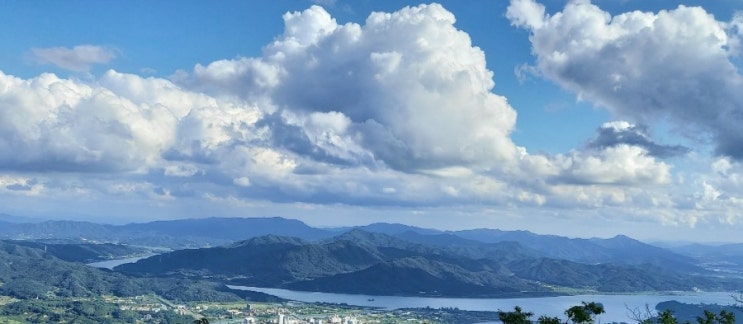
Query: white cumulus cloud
x=620, y=164
x=410, y=88
x=398, y=111
x=645, y=67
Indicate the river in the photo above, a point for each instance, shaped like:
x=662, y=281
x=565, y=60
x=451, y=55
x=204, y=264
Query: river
x=616, y=306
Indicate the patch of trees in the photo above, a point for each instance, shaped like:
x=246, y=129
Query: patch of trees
x=580, y=314
x=587, y=312
x=76, y=311
x=28, y=273
x=83, y=252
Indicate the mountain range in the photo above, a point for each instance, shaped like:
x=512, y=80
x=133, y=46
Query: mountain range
x=172, y=234
x=363, y=262
x=395, y=259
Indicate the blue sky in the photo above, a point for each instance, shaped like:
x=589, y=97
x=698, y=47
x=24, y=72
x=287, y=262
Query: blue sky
x=566, y=117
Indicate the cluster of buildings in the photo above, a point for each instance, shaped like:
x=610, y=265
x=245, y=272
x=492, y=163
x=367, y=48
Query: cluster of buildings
x=292, y=319
x=276, y=315
x=138, y=304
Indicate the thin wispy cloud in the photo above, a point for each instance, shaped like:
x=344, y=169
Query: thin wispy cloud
x=79, y=58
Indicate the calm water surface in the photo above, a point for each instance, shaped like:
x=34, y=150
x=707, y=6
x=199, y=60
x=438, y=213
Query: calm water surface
x=110, y=264
x=615, y=305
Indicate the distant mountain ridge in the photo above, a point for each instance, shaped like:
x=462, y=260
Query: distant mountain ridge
x=387, y=228
x=191, y=233
x=724, y=259
x=352, y=262
x=230, y=228
x=84, y=252
x=374, y=263
x=619, y=249
x=172, y=234
x=479, y=262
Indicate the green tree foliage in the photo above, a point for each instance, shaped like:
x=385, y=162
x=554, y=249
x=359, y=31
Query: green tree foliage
x=587, y=312
x=515, y=317
x=709, y=317
x=548, y=320
x=666, y=317
x=56, y=311
x=584, y=314
x=726, y=317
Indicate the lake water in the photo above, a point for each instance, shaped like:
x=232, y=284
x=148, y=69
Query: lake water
x=616, y=306
x=110, y=264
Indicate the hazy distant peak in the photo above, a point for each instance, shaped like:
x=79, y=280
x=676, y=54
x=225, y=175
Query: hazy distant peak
x=394, y=228
x=360, y=236
x=270, y=239
x=617, y=241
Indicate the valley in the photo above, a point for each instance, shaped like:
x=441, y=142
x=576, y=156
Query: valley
x=48, y=260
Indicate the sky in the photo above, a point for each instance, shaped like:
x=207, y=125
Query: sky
x=576, y=118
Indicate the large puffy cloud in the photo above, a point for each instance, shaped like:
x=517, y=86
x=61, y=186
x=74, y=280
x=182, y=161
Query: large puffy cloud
x=51, y=124
x=396, y=112
x=407, y=90
x=415, y=92
x=148, y=138
x=674, y=66
x=329, y=113
x=644, y=67
x=124, y=123
x=156, y=138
